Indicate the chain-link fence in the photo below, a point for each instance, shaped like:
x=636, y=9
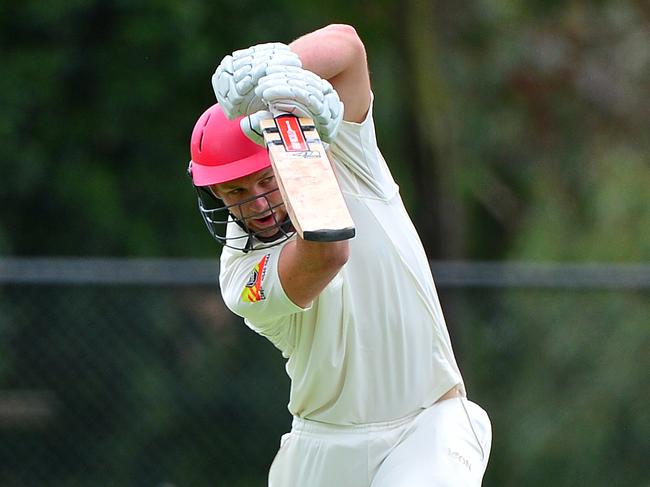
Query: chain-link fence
x=133, y=373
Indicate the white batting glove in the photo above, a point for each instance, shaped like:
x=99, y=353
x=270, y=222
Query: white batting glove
x=300, y=92
x=237, y=76
x=250, y=125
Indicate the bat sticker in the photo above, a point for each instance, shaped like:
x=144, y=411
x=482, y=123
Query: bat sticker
x=291, y=134
x=309, y=154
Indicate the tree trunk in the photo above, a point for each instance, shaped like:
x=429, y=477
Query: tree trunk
x=439, y=212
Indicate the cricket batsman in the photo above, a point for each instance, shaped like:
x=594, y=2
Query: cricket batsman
x=376, y=395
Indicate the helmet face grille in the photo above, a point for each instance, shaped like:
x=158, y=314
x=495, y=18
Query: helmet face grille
x=218, y=217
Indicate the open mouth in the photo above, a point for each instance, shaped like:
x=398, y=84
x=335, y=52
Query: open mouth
x=265, y=221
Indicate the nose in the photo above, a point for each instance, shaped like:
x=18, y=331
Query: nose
x=259, y=204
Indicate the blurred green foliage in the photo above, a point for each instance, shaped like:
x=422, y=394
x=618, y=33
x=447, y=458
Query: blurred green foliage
x=564, y=375
x=146, y=386
x=163, y=386
x=516, y=130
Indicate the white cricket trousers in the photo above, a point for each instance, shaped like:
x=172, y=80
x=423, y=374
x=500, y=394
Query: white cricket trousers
x=447, y=444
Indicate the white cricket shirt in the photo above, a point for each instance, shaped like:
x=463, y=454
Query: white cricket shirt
x=374, y=346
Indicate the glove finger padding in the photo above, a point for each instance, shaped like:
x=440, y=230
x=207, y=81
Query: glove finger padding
x=302, y=93
x=238, y=74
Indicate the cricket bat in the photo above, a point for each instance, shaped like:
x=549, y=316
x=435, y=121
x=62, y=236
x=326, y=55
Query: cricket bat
x=306, y=179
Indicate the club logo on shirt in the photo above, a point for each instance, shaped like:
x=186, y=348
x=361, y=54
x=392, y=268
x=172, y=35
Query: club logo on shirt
x=253, y=292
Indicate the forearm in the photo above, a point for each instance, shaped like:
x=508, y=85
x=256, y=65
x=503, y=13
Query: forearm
x=306, y=268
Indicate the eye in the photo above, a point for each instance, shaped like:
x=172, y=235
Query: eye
x=235, y=192
x=267, y=181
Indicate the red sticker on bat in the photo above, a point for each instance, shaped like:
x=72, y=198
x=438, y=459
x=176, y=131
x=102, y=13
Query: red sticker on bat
x=291, y=133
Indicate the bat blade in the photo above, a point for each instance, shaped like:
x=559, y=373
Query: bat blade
x=306, y=179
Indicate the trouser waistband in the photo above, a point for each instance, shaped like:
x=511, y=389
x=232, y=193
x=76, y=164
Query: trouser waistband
x=317, y=427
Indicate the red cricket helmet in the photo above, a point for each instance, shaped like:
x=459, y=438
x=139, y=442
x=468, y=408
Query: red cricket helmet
x=221, y=151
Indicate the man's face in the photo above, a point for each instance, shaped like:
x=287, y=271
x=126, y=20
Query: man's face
x=256, y=211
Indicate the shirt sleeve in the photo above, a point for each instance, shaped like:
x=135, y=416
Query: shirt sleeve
x=251, y=288
x=359, y=162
